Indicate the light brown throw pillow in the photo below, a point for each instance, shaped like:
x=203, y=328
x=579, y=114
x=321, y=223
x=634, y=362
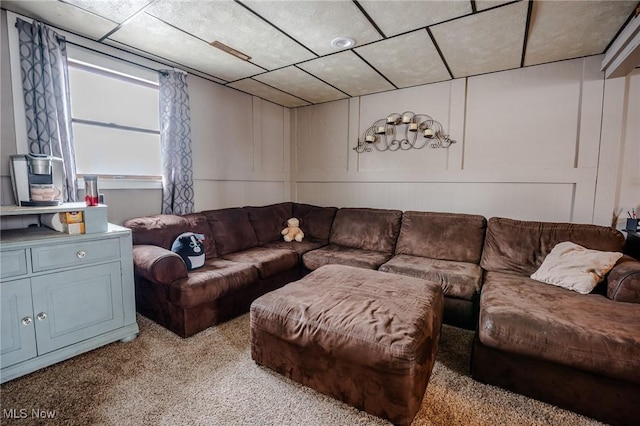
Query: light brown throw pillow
x=574, y=267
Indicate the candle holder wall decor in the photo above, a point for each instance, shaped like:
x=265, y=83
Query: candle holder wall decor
x=419, y=131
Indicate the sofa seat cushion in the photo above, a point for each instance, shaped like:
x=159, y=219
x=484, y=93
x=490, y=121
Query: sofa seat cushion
x=216, y=279
x=587, y=332
x=458, y=279
x=268, y=261
x=301, y=248
x=334, y=254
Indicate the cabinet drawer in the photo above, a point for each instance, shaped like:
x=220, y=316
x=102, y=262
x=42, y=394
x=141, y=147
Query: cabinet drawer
x=14, y=263
x=74, y=254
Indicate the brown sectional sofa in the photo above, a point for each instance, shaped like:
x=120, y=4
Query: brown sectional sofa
x=577, y=351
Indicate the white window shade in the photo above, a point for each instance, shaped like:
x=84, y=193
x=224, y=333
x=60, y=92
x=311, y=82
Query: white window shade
x=95, y=97
x=113, y=151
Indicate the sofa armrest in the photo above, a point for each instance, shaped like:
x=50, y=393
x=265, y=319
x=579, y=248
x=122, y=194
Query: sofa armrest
x=623, y=281
x=158, y=264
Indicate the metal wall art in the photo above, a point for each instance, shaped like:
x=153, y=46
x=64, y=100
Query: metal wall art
x=419, y=130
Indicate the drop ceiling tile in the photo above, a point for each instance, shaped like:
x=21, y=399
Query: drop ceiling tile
x=488, y=4
x=316, y=23
x=263, y=91
x=483, y=42
x=398, y=17
x=115, y=10
x=235, y=26
x=562, y=30
x=64, y=16
x=407, y=60
x=152, y=35
x=347, y=72
x=167, y=63
x=299, y=83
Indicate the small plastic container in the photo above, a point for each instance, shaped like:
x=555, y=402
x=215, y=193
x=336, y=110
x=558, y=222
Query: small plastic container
x=91, y=190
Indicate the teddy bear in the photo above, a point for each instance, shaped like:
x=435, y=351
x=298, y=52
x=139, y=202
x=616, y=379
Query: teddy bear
x=292, y=231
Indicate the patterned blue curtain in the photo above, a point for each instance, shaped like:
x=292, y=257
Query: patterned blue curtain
x=45, y=83
x=175, y=143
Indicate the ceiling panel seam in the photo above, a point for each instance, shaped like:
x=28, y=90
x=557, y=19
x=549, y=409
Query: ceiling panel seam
x=283, y=91
x=526, y=32
x=375, y=69
x=325, y=82
x=126, y=21
x=473, y=6
x=274, y=26
x=371, y=21
x=442, y=58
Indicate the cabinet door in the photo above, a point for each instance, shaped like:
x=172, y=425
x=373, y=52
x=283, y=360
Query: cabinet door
x=75, y=305
x=18, y=341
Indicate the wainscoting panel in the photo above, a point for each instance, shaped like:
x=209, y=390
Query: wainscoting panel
x=524, y=118
x=321, y=137
x=271, y=136
x=512, y=200
x=222, y=194
x=221, y=128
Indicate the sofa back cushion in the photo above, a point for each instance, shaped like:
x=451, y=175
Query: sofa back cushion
x=367, y=229
x=268, y=221
x=200, y=225
x=445, y=236
x=159, y=230
x=231, y=229
x=315, y=221
x=518, y=246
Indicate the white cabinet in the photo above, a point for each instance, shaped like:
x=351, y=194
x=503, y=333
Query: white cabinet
x=62, y=295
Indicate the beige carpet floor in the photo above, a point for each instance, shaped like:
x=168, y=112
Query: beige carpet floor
x=210, y=379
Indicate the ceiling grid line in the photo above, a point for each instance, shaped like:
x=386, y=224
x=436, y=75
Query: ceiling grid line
x=526, y=32
x=283, y=91
x=442, y=58
x=375, y=69
x=126, y=21
x=371, y=21
x=273, y=25
x=325, y=82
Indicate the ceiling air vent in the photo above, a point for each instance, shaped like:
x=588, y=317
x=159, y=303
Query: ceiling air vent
x=230, y=50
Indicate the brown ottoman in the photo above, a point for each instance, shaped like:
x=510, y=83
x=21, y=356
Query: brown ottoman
x=365, y=337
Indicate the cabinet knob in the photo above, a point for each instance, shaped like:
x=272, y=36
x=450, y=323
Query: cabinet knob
x=81, y=254
x=27, y=320
x=42, y=316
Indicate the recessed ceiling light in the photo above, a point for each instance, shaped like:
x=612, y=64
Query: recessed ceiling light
x=343, y=42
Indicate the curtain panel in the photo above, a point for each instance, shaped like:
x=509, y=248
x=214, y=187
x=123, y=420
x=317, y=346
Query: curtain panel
x=175, y=143
x=45, y=83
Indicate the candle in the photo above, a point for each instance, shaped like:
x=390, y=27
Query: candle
x=406, y=119
x=370, y=138
x=391, y=119
x=413, y=127
x=428, y=133
x=380, y=130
